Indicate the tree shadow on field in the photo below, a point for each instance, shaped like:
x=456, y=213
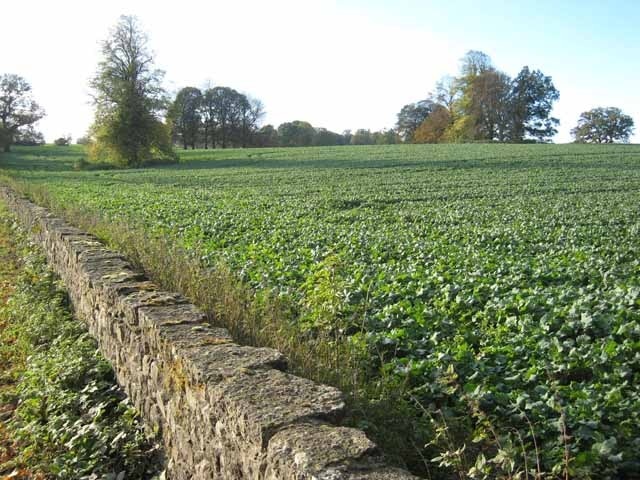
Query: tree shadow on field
x=63, y=159
x=287, y=164
x=513, y=163
x=47, y=158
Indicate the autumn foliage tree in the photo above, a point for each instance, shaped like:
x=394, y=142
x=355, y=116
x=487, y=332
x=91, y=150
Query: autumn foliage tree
x=483, y=104
x=411, y=116
x=434, y=127
x=488, y=105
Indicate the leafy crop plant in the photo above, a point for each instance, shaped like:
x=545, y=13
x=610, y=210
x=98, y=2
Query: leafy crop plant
x=480, y=303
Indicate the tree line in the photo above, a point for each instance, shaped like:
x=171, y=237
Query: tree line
x=221, y=117
x=218, y=117
x=136, y=121
x=302, y=134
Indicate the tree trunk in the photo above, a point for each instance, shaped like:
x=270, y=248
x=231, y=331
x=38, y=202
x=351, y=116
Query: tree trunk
x=6, y=148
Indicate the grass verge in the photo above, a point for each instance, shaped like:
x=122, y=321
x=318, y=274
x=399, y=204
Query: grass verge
x=61, y=413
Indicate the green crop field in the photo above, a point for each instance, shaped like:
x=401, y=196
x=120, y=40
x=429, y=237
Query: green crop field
x=494, y=289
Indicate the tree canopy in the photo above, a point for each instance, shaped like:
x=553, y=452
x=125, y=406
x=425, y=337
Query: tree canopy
x=185, y=114
x=483, y=104
x=296, y=134
x=129, y=100
x=18, y=110
x=434, y=126
x=136, y=121
x=603, y=125
x=29, y=137
x=222, y=117
x=219, y=116
x=532, y=97
x=411, y=116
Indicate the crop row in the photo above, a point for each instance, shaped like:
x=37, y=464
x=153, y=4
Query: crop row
x=496, y=287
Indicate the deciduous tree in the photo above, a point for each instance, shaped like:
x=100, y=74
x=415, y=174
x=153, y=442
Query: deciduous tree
x=225, y=113
x=324, y=137
x=489, y=105
x=603, y=125
x=475, y=63
x=129, y=100
x=479, y=108
x=62, y=141
x=532, y=98
x=267, y=136
x=209, y=117
x=483, y=104
x=411, y=116
x=433, y=129
x=229, y=118
x=362, y=137
x=446, y=92
x=185, y=114
x=385, y=137
x=29, y=137
x=296, y=134
x=250, y=111
x=18, y=110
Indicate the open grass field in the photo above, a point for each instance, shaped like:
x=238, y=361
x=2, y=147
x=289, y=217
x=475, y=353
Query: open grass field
x=493, y=290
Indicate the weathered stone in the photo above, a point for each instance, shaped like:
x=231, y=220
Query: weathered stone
x=317, y=450
x=85, y=254
x=112, y=292
x=107, y=272
x=266, y=401
x=181, y=313
x=210, y=360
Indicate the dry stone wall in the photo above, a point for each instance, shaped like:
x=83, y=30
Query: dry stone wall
x=223, y=411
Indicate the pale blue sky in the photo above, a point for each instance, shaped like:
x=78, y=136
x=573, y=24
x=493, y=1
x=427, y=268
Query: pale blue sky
x=338, y=64
x=590, y=48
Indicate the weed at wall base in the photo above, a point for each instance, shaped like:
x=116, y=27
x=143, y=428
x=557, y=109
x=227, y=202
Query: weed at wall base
x=65, y=416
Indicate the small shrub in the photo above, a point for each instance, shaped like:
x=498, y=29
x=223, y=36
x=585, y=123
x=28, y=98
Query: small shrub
x=62, y=141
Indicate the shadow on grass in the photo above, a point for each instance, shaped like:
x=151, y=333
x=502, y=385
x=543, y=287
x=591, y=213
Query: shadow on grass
x=68, y=162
